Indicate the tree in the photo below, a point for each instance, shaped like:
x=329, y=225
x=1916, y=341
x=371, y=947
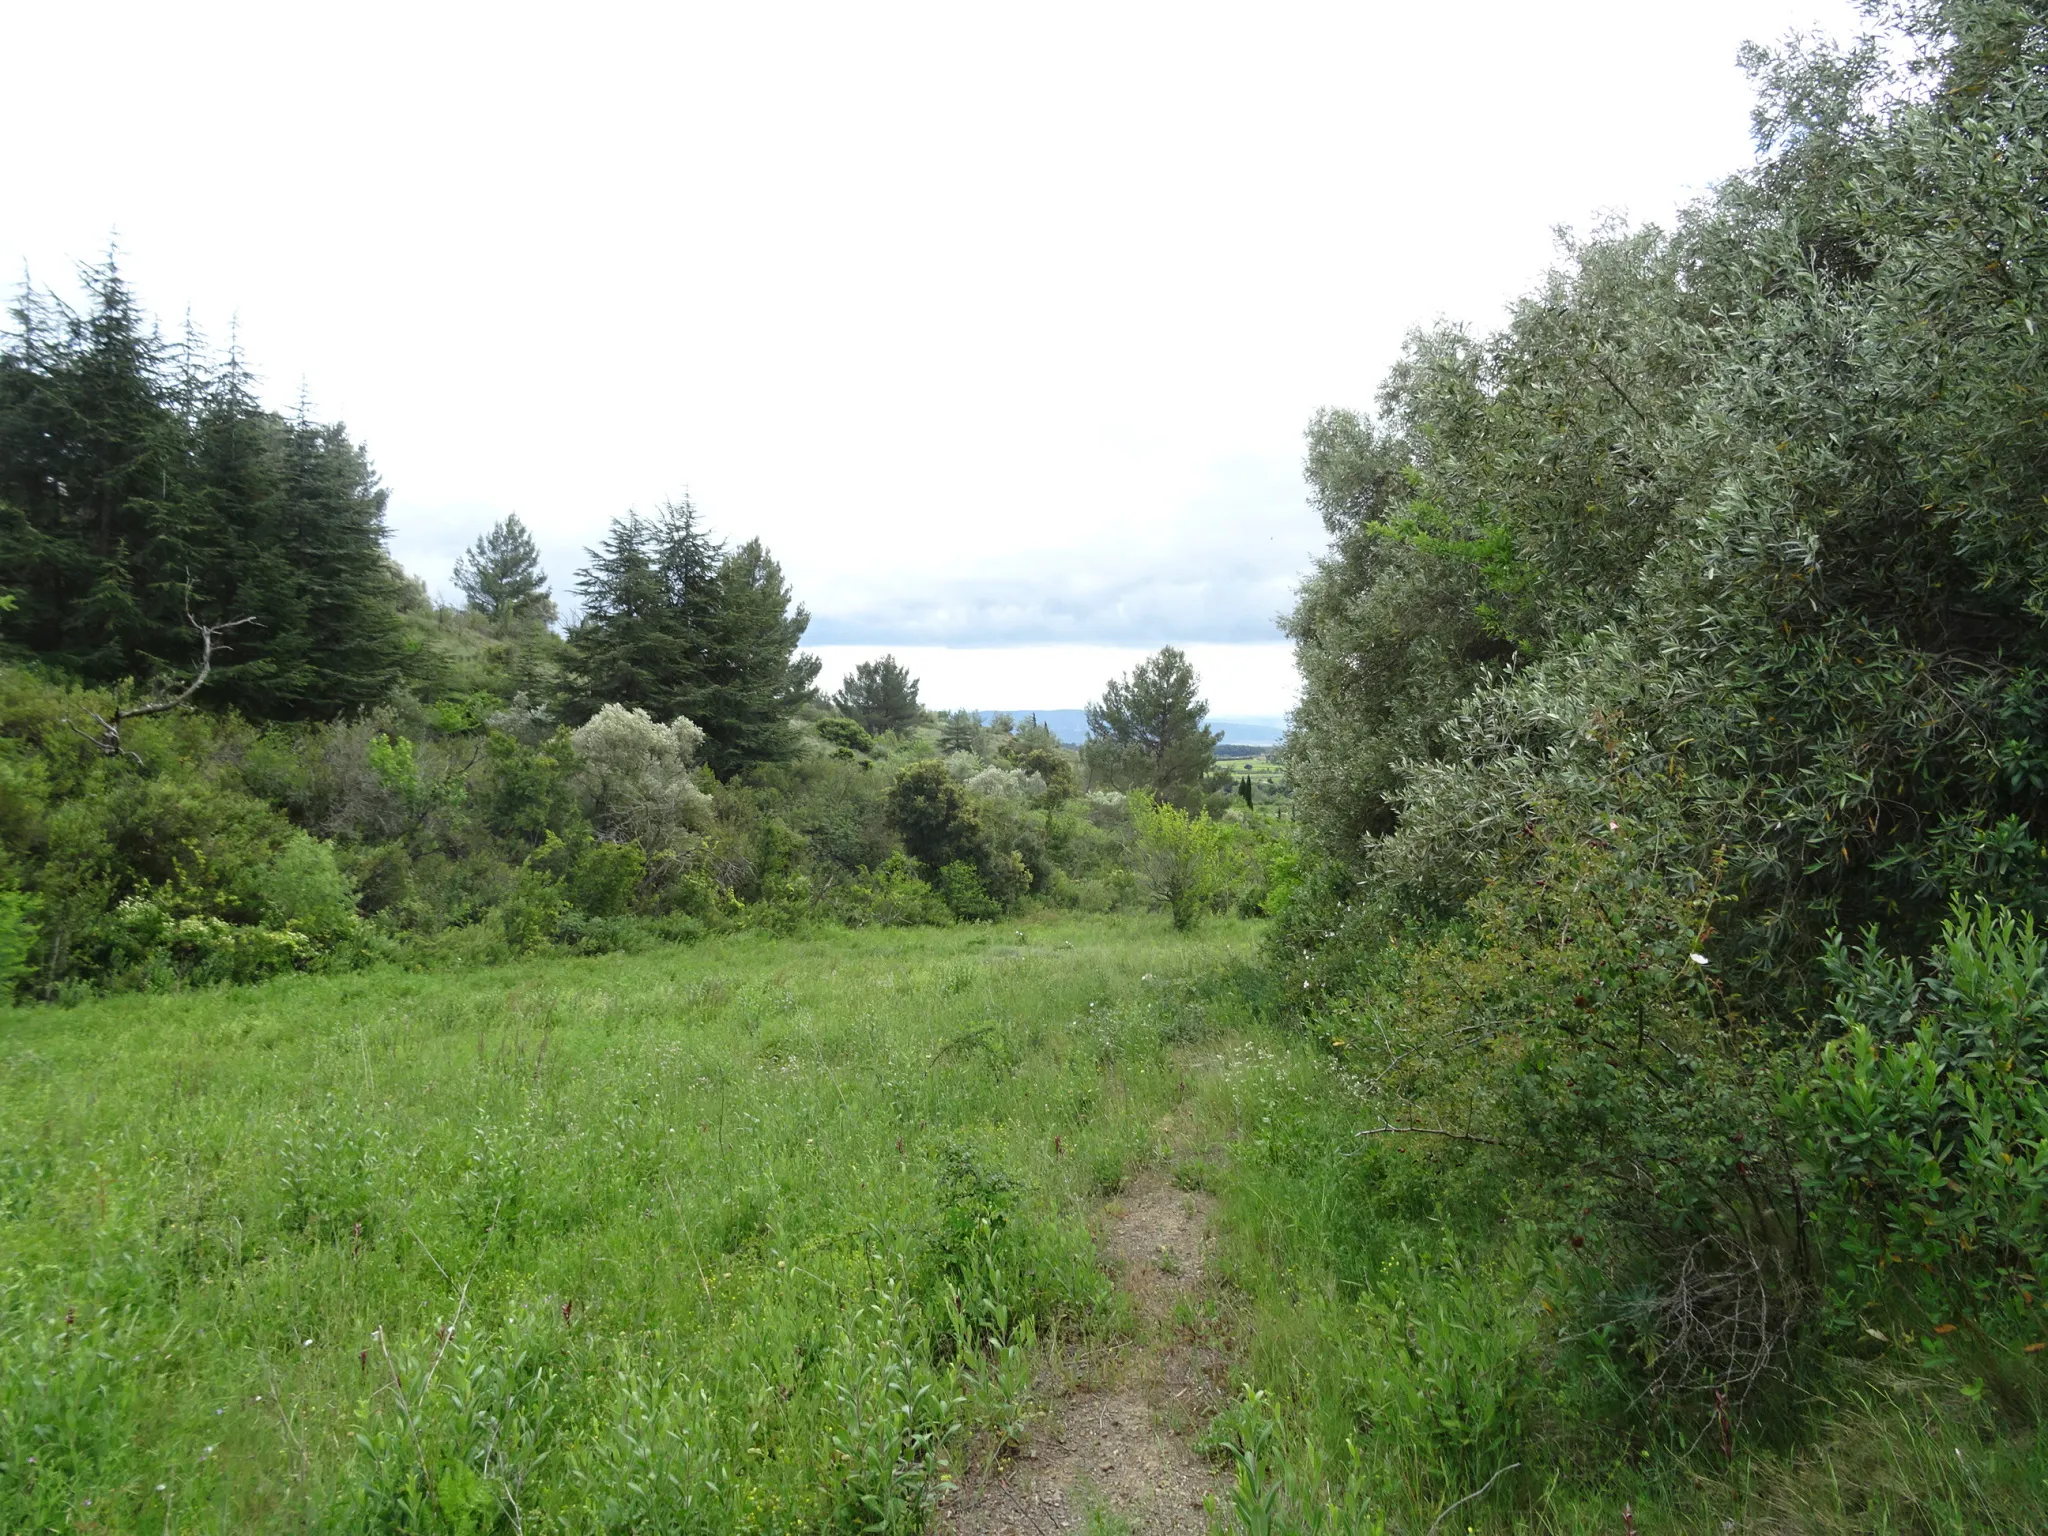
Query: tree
x=676, y=626
x=937, y=825
x=1732, y=532
x=143, y=490
x=961, y=731
x=881, y=695
x=646, y=598
x=1147, y=733
x=942, y=832
x=1187, y=857
x=500, y=577
x=756, y=677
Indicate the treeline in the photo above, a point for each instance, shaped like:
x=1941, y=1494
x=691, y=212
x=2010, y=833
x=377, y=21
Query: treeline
x=236, y=739
x=1672, y=757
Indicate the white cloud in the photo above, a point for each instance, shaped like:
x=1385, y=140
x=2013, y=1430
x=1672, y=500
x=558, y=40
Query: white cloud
x=998, y=325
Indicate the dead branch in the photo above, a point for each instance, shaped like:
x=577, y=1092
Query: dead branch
x=1429, y=1130
x=108, y=738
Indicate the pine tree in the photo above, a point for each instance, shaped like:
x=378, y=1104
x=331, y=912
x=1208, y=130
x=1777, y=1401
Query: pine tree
x=1148, y=731
x=500, y=577
x=881, y=695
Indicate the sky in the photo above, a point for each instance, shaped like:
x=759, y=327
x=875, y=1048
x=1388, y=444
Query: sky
x=1000, y=325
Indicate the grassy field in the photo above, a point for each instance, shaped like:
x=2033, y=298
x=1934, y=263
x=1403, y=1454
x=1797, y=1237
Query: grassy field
x=746, y=1235
x=770, y=1234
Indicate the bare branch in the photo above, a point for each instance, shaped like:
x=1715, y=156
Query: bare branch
x=108, y=740
x=1429, y=1130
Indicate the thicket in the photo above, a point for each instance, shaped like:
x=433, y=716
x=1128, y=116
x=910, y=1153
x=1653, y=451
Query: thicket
x=1685, y=625
x=236, y=739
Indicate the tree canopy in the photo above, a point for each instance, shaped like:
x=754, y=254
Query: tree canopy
x=500, y=576
x=676, y=625
x=1147, y=732
x=143, y=489
x=881, y=695
x=1734, y=530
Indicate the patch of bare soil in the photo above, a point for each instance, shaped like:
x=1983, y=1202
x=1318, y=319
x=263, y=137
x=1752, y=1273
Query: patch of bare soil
x=1118, y=1443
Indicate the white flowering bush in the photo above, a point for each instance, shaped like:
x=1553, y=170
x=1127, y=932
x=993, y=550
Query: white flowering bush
x=1006, y=784
x=636, y=777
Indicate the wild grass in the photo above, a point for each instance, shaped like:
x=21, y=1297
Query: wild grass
x=758, y=1234
x=771, y=1234
x=1399, y=1351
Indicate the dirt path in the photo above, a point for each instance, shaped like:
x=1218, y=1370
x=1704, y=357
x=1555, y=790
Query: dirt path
x=1118, y=1443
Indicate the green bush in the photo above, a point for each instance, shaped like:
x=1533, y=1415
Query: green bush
x=302, y=887
x=606, y=877
x=1927, y=1125
x=17, y=938
x=891, y=896
x=1189, y=859
x=841, y=732
x=960, y=888
x=530, y=917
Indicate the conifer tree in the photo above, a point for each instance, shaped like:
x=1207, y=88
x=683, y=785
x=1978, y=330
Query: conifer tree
x=757, y=676
x=881, y=695
x=143, y=491
x=1148, y=731
x=500, y=577
x=674, y=625
x=646, y=596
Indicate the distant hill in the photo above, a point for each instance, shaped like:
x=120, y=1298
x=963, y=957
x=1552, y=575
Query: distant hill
x=1071, y=726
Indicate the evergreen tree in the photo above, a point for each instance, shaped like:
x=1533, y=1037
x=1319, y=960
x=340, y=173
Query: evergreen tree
x=646, y=599
x=961, y=731
x=881, y=695
x=142, y=491
x=675, y=626
x=500, y=577
x=1147, y=733
x=756, y=676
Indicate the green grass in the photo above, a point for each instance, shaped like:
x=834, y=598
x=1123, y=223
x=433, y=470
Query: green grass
x=768, y=1234
x=755, y=1234
x=1395, y=1349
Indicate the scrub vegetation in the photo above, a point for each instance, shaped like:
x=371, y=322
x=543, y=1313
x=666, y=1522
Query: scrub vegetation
x=467, y=1075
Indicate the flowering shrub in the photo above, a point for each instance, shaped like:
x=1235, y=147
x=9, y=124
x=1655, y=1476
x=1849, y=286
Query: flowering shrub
x=636, y=777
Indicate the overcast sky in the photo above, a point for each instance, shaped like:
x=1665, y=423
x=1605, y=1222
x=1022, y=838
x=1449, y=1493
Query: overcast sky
x=1000, y=325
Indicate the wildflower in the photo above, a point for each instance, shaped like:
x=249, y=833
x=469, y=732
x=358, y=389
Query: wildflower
x=1698, y=958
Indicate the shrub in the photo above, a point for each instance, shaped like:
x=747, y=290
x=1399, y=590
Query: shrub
x=17, y=938
x=606, y=877
x=841, y=732
x=1006, y=784
x=303, y=888
x=1188, y=858
x=636, y=778
x=1927, y=1122
x=960, y=888
x=1571, y=1030
x=891, y=896
x=534, y=911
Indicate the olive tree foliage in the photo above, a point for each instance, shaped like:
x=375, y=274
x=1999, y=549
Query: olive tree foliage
x=636, y=777
x=1735, y=529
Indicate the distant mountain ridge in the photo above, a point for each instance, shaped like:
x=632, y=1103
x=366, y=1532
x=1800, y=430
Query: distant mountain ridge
x=1071, y=726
